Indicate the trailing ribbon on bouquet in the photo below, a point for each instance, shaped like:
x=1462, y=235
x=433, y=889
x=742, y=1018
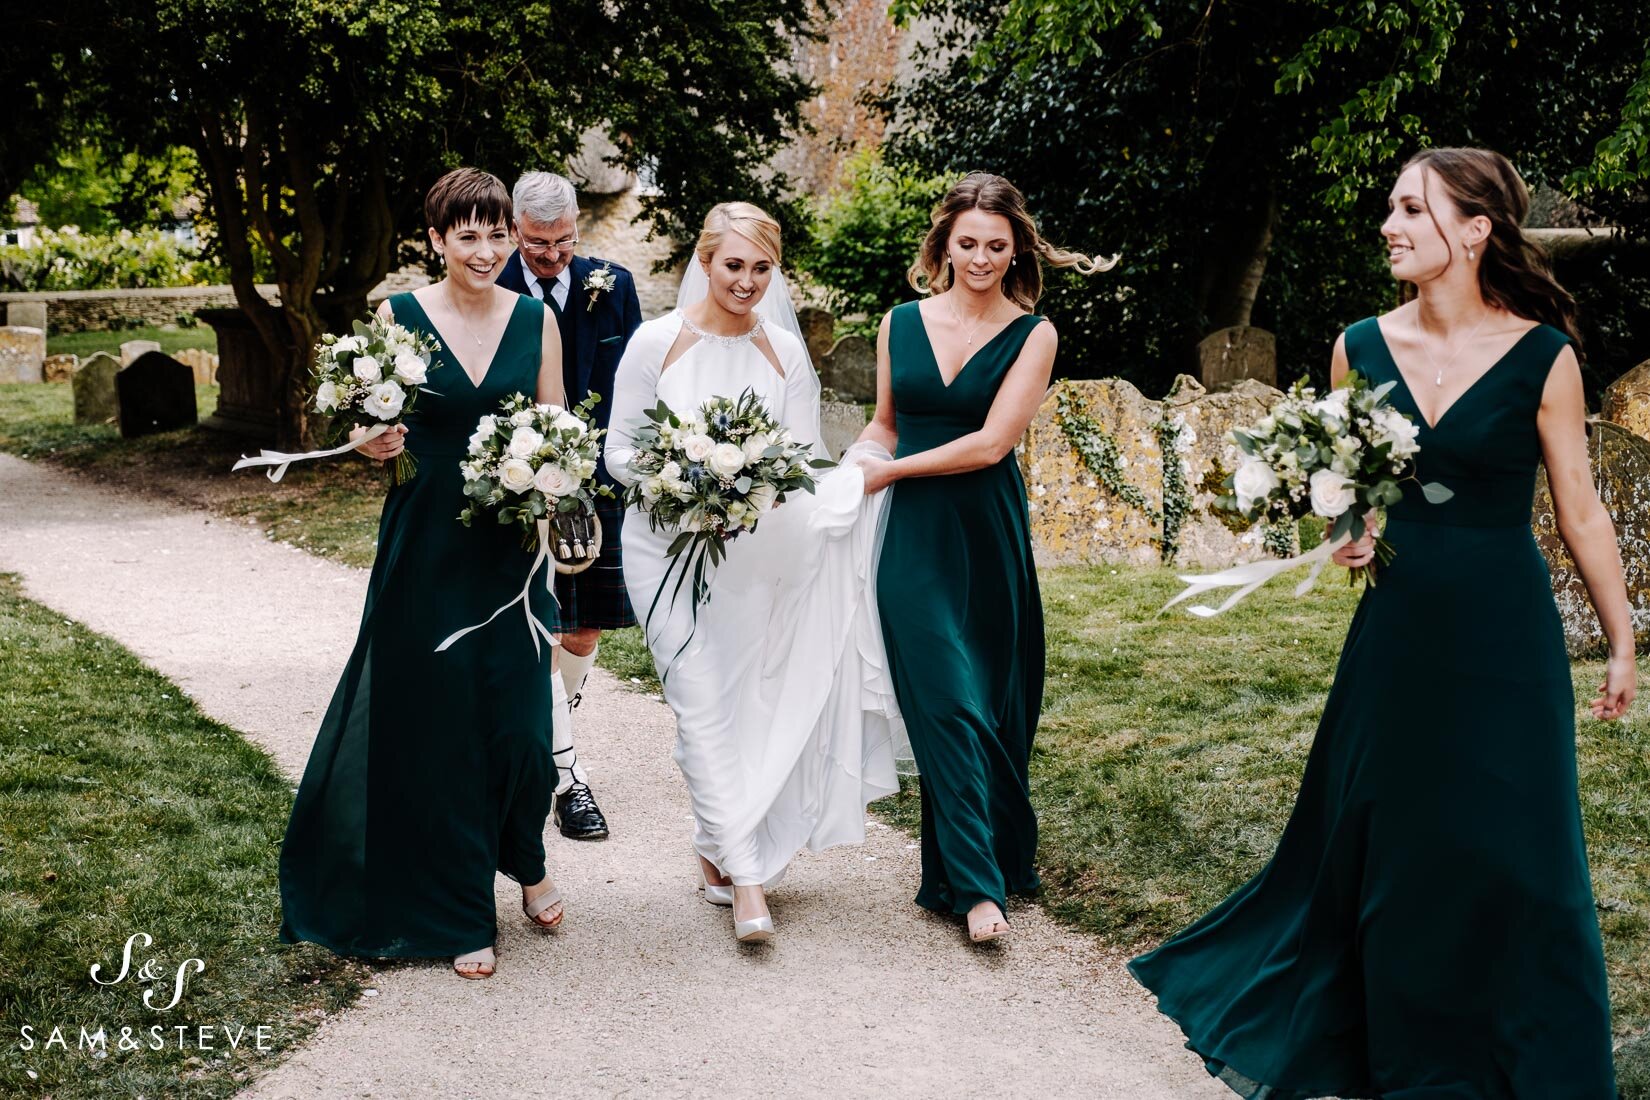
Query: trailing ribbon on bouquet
x=534, y=627
x=281, y=461
x=1246, y=578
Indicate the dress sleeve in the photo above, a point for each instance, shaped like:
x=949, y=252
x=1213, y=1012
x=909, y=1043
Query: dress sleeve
x=635, y=389
x=802, y=398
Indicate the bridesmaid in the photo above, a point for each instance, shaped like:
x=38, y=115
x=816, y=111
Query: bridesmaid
x=1426, y=927
x=433, y=771
x=959, y=377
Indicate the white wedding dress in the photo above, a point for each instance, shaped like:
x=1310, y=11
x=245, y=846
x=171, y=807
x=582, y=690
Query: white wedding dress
x=785, y=713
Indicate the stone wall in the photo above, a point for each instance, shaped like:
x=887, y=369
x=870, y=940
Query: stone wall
x=103, y=310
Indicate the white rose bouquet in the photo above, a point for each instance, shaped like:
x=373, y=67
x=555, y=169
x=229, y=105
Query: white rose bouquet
x=371, y=378
x=1338, y=457
x=530, y=462
x=713, y=475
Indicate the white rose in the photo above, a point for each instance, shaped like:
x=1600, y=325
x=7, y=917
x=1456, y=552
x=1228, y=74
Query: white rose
x=524, y=441
x=1401, y=430
x=1254, y=481
x=515, y=475
x=762, y=498
x=385, y=400
x=326, y=397
x=472, y=470
x=553, y=481
x=487, y=425
x=755, y=445
x=366, y=368
x=347, y=344
x=698, y=447
x=567, y=422
x=727, y=459
x=410, y=369
x=478, y=442
x=652, y=488
x=1332, y=494
x=671, y=473
x=522, y=419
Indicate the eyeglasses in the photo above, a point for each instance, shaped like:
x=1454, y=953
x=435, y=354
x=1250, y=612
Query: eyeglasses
x=538, y=248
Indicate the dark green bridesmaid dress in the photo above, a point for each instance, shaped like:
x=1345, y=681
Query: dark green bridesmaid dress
x=1426, y=927
x=431, y=770
x=963, y=623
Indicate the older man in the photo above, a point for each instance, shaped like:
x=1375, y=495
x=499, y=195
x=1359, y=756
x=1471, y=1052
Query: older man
x=596, y=307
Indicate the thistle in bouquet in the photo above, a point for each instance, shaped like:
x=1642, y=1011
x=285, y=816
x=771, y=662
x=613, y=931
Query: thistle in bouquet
x=712, y=475
x=1339, y=456
x=530, y=462
x=371, y=379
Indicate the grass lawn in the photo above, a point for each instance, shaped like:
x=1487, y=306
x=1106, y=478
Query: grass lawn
x=1170, y=748
x=87, y=344
x=126, y=810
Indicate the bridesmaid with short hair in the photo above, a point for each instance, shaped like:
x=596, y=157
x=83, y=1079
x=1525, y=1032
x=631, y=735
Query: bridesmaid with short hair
x=1426, y=927
x=960, y=375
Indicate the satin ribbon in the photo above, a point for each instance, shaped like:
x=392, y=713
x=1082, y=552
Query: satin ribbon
x=534, y=627
x=1246, y=578
x=281, y=461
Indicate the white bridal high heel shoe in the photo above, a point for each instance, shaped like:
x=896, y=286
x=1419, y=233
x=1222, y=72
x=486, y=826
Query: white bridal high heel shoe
x=716, y=895
x=755, y=930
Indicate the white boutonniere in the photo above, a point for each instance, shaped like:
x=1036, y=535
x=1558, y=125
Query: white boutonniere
x=599, y=282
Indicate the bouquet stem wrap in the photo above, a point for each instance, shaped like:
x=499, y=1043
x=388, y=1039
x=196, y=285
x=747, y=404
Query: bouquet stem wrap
x=534, y=627
x=281, y=461
x=1246, y=578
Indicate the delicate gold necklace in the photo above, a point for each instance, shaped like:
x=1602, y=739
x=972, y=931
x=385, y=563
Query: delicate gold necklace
x=968, y=333
x=452, y=305
x=1420, y=336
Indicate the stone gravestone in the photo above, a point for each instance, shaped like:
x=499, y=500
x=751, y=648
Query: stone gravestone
x=61, y=368
x=1621, y=469
x=202, y=362
x=94, y=390
x=1627, y=401
x=22, y=353
x=132, y=349
x=1229, y=355
x=850, y=368
x=840, y=423
x=818, y=331
x=157, y=394
x=27, y=314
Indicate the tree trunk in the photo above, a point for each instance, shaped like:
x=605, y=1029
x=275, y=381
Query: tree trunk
x=1235, y=262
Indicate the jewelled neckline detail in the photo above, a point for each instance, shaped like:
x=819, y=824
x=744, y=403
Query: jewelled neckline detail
x=723, y=341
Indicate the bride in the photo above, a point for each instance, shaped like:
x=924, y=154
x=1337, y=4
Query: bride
x=785, y=716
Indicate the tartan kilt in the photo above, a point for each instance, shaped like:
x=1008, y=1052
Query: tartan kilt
x=596, y=599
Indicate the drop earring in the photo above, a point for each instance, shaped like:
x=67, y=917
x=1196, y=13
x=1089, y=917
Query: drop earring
x=1471, y=255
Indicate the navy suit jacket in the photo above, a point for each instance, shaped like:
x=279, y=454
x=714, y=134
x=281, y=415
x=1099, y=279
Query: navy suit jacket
x=600, y=331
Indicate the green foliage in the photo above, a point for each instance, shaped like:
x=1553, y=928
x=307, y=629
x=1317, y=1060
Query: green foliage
x=70, y=260
x=1621, y=162
x=867, y=234
x=95, y=192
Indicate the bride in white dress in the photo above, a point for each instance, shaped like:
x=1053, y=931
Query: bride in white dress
x=785, y=715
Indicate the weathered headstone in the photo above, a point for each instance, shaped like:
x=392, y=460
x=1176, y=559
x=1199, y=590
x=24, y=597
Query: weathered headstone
x=818, y=331
x=132, y=349
x=1229, y=355
x=850, y=368
x=157, y=394
x=1627, y=401
x=27, y=315
x=60, y=368
x=840, y=423
x=204, y=363
x=94, y=390
x=22, y=353
x=1621, y=469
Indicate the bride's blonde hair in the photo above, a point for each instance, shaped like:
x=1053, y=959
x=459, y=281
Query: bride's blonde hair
x=746, y=219
x=1023, y=282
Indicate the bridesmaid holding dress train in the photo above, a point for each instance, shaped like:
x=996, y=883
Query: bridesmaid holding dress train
x=1426, y=928
x=960, y=375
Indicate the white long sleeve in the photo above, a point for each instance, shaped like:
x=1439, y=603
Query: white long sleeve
x=801, y=395
x=635, y=390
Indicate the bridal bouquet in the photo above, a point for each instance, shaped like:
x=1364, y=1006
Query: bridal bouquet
x=534, y=467
x=1337, y=457
x=368, y=379
x=713, y=475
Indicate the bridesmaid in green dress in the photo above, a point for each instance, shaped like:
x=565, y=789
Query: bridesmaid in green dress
x=432, y=771
x=1426, y=927
x=959, y=377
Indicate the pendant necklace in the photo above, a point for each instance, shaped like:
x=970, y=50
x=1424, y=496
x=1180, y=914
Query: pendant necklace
x=1438, y=369
x=968, y=333
x=452, y=305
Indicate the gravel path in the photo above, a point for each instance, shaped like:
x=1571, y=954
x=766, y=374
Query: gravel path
x=643, y=992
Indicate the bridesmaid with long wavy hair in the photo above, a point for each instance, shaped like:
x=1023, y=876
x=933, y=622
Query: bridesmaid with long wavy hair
x=960, y=374
x=1426, y=927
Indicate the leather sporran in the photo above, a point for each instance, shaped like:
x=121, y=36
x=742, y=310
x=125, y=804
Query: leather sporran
x=575, y=540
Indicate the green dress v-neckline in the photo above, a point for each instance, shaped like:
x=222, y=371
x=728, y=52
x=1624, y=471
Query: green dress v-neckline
x=1409, y=393
x=446, y=344
x=933, y=356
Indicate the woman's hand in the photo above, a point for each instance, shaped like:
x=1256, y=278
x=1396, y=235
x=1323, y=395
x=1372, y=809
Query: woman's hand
x=1360, y=552
x=382, y=447
x=1615, y=694
x=879, y=473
